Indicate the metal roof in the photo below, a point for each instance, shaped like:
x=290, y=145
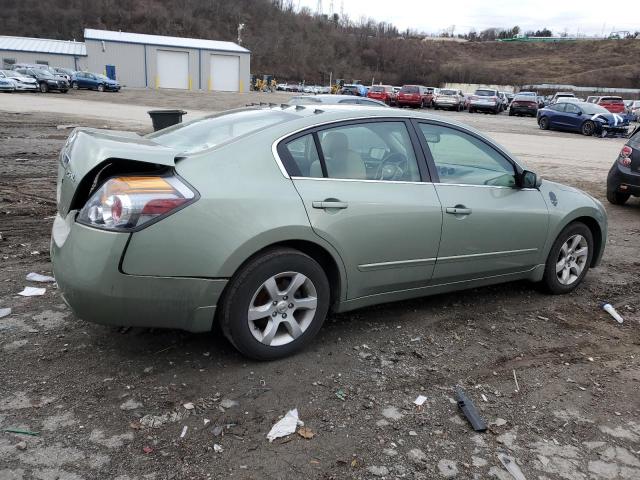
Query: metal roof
x=43, y=45
x=141, y=38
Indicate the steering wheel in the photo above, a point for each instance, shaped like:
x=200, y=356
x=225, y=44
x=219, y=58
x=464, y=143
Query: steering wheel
x=392, y=167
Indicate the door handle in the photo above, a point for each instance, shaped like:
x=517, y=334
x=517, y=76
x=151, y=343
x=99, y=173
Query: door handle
x=329, y=204
x=458, y=210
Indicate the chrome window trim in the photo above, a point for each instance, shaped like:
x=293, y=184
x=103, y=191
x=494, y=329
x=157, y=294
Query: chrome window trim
x=323, y=179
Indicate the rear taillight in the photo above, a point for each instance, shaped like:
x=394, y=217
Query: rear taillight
x=128, y=203
x=625, y=156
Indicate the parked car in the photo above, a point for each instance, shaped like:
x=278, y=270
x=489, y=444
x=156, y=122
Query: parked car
x=592, y=99
x=485, y=100
x=524, y=105
x=449, y=99
x=223, y=219
x=433, y=91
x=563, y=95
x=94, y=81
x=281, y=86
x=635, y=110
x=46, y=80
x=293, y=87
x=467, y=100
x=586, y=118
x=67, y=73
x=612, y=103
x=504, y=100
x=383, y=93
x=624, y=177
x=510, y=97
x=354, y=89
x=335, y=100
x=7, y=85
x=414, y=96
x=22, y=82
x=396, y=90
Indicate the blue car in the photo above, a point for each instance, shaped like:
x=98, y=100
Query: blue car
x=586, y=118
x=7, y=85
x=94, y=81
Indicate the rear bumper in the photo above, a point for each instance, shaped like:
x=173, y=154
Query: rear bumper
x=86, y=266
x=484, y=106
x=524, y=110
x=622, y=179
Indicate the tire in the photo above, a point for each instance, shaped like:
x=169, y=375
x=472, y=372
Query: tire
x=423, y=104
x=101, y=88
x=511, y=114
x=471, y=110
x=617, y=198
x=557, y=258
x=588, y=128
x=44, y=88
x=248, y=289
x=64, y=91
x=543, y=123
x=74, y=85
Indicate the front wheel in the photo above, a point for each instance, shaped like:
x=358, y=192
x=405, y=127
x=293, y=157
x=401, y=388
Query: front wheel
x=569, y=259
x=588, y=128
x=617, y=198
x=275, y=304
x=74, y=85
x=44, y=88
x=101, y=88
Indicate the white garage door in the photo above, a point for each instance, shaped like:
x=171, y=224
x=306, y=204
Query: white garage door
x=173, y=69
x=225, y=73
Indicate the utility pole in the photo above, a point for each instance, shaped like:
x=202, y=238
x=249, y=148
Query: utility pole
x=331, y=8
x=319, y=8
x=342, y=9
x=240, y=28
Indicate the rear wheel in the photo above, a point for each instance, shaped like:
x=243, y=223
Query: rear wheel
x=471, y=110
x=543, y=123
x=64, y=91
x=44, y=88
x=588, y=128
x=569, y=259
x=617, y=198
x=275, y=304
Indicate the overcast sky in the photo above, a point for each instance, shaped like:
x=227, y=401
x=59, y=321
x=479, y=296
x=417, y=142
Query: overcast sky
x=590, y=17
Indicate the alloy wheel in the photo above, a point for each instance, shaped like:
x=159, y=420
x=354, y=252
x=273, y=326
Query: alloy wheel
x=572, y=259
x=282, y=308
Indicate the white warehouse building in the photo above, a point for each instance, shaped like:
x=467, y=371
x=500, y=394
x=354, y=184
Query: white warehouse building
x=154, y=61
x=139, y=60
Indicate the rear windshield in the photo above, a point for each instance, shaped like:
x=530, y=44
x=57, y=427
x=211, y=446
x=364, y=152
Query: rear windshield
x=213, y=130
x=591, y=108
x=448, y=92
x=524, y=98
x=486, y=93
x=378, y=88
x=611, y=99
x=409, y=89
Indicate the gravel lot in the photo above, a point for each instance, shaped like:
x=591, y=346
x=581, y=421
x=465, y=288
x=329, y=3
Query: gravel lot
x=110, y=404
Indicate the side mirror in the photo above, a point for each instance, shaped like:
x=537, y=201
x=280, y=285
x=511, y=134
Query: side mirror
x=529, y=179
x=579, y=112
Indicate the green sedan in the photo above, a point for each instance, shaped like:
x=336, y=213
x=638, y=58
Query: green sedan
x=264, y=219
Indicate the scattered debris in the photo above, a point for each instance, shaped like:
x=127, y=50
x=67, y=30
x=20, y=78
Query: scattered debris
x=156, y=421
x=499, y=422
x=206, y=421
x=4, y=312
x=511, y=466
x=607, y=307
x=420, y=400
x=21, y=432
x=32, y=292
x=189, y=406
x=36, y=277
x=416, y=455
x=341, y=394
x=147, y=449
x=217, y=448
x=484, y=397
x=515, y=379
x=305, y=432
x=470, y=411
x=391, y=413
x=217, y=430
x=130, y=404
x=184, y=431
x=378, y=471
x=21, y=445
x=285, y=426
x=228, y=403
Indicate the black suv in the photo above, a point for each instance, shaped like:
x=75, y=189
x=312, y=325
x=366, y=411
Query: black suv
x=624, y=177
x=46, y=80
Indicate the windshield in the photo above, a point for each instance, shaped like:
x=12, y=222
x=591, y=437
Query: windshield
x=592, y=108
x=213, y=130
x=102, y=77
x=448, y=92
x=43, y=73
x=11, y=73
x=486, y=93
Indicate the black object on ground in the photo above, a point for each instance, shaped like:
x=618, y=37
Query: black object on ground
x=470, y=411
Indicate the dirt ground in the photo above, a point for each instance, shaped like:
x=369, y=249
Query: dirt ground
x=110, y=404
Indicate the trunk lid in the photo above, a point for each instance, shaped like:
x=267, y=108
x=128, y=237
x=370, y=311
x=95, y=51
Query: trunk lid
x=88, y=149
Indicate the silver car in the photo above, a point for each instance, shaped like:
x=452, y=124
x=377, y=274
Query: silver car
x=22, y=82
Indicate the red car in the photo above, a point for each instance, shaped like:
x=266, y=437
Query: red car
x=383, y=93
x=613, y=104
x=414, y=96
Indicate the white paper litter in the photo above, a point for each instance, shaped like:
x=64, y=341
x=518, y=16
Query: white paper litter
x=511, y=466
x=4, y=312
x=420, y=400
x=206, y=421
x=36, y=277
x=217, y=448
x=32, y=291
x=285, y=426
x=184, y=431
x=189, y=406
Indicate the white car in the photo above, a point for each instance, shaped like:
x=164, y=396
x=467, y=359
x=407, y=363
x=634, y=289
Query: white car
x=22, y=82
x=635, y=110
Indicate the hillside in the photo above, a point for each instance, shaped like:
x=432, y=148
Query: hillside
x=301, y=46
